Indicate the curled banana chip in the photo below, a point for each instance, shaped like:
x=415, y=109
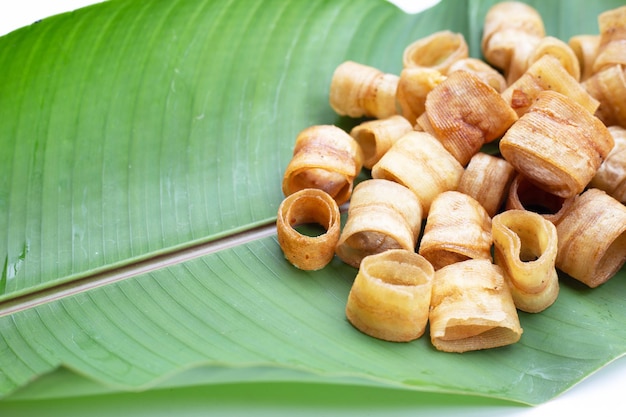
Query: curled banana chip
x=524, y=195
x=485, y=72
x=457, y=228
x=547, y=73
x=464, y=113
x=592, y=238
x=414, y=86
x=611, y=176
x=526, y=247
x=324, y=157
x=437, y=51
x=472, y=308
x=557, y=144
x=511, y=33
x=382, y=215
x=375, y=137
x=487, y=179
x=609, y=88
x=358, y=90
x=390, y=296
x=612, y=46
x=421, y=163
x=585, y=48
x=308, y=206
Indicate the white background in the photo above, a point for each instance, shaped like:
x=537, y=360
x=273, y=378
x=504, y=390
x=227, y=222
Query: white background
x=603, y=393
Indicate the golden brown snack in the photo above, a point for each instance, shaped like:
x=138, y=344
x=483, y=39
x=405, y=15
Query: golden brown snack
x=592, y=238
x=482, y=70
x=436, y=51
x=457, y=228
x=390, y=296
x=559, y=50
x=525, y=248
x=611, y=176
x=612, y=46
x=382, y=215
x=465, y=113
x=609, y=88
x=472, y=308
x=308, y=206
x=487, y=179
x=375, y=137
x=421, y=163
x=557, y=144
x=524, y=195
x=414, y=86
x=511, y=33
x=324, y=157
x=547, y=73
x=585, y=47
x=358, y=90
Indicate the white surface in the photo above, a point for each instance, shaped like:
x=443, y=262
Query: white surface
x=600, y=394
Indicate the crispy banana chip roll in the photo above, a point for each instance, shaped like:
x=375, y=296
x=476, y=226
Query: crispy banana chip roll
x=511, y=33
x=557, y=144
x=390, y=296
x=358, y=90
x=611, y=176
x=375, y=137
x=472, y=308
x=609, y=88
x=465, y=113
x=482, y=70
x=413, y=87
x=526, y=248
x=421, y=163
x=547, y=73
x=457, y=228
x=382, y=215
x=308, y=206
x=324, y=157
x=585, y=48
x=487, y=179
x=524, y=195
x=592, y=238
x=437, y=51
x=612, y=46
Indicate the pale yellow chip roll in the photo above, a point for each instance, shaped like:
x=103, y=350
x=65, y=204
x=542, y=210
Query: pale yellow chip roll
x=472, y=308
x=611, y=176
x=308, y=206
x=526, y=247
x=437, y=51
x=375, y=137
x=382, y=215
x=390, y=296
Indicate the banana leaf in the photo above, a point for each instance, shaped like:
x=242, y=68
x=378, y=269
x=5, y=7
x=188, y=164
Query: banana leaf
x=143, y=146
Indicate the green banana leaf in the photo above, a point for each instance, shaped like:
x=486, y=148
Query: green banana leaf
x=143, y=147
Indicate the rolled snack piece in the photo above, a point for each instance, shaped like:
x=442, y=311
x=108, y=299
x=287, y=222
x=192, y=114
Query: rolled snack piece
x=472, y=308
x=457, y=228
x=358, y=90
x=592, y=238
x=547, y=73
x=557, y=144
x=525, y=248
x=413, y=87
x=437, y=51
x=511, y=33
x=586, y=48
x=308, y=206
x=390, y=296
x=382, y=215
x=609, y=88
x=482, y=70
x=324, y=157
x=465, y=113
x=524, y=195
x=420, y=162
x=611, y=176
x=612, y=46
x=487, y=179
x=375, y=137
x=559, y=50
